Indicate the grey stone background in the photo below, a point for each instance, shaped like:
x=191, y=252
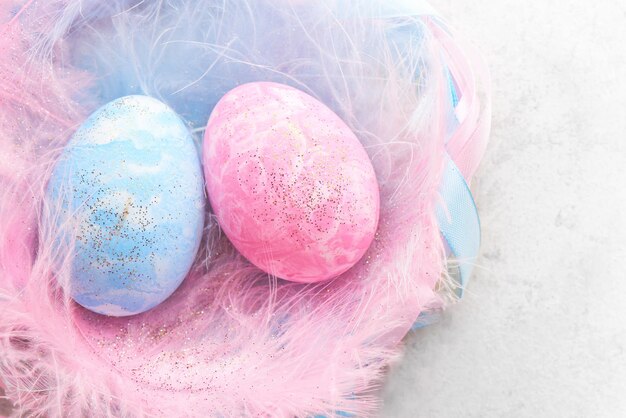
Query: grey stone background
x=542, y=330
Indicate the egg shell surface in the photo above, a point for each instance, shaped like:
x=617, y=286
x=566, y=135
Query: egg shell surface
x=127, y=196
x=289, y=182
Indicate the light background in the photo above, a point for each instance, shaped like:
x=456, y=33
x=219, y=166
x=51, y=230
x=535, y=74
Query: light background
x=542, y=330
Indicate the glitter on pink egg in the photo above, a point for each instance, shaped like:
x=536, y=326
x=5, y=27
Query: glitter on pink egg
x=289, y=182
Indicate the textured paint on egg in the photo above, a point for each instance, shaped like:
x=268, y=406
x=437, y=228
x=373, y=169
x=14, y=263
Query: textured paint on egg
x=127, y=191
x=289, y=182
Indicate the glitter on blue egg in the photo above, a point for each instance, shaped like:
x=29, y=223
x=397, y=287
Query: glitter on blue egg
x=130, y=198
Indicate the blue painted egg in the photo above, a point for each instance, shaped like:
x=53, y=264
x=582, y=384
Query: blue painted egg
x=126, y=200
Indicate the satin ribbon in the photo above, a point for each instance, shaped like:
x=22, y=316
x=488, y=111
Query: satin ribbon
x=457, y=214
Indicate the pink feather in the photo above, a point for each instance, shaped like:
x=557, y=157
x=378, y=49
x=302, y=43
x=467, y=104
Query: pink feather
x=231, y=341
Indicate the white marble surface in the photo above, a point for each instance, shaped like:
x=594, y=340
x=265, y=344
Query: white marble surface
x=542, y=331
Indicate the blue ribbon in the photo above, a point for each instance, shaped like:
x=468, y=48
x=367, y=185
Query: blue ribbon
x=457, y=217
x=457, y=214
x=458, y=221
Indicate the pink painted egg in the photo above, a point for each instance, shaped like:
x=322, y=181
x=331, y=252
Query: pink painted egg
x=291, y=185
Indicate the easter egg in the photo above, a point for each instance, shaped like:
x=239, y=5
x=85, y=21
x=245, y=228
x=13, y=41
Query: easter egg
x=290, y=184
x=126, y=198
